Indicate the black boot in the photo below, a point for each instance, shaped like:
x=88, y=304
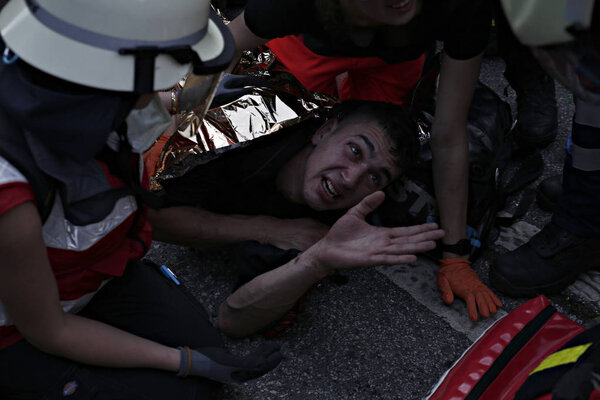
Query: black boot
x=547, y=264
x=536, y=98
x=537, y=121
x=548, y=192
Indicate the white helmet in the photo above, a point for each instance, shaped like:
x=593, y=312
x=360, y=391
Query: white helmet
x=136, y=46
x=564, y=36
x=547, y=22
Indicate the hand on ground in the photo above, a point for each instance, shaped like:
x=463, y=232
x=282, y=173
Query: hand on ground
x=456, y=276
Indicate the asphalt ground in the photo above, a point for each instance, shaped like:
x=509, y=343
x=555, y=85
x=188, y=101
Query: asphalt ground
x=379, y=333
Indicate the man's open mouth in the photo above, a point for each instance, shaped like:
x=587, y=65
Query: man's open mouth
x=328, y=187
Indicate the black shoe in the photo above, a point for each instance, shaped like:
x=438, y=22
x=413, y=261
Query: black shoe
x=537, y=113
x=547, y=264
x=548, y=192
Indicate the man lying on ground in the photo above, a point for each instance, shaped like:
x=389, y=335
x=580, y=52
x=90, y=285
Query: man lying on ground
x=280, y=187
x=287, y=188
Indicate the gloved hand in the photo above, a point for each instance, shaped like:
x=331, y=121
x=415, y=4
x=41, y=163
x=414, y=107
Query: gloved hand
x=455, y=276
x=217, y=364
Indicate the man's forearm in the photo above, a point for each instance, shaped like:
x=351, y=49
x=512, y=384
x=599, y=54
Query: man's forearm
x=191, y=226
x=268, y=296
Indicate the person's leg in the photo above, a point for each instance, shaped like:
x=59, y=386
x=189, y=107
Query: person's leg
x=537, y=121
x=374, y=79
x=28, y=373
x=315, y=72
x=146, y=303
x=578, y=209
x=570, y=243
x=143, y=302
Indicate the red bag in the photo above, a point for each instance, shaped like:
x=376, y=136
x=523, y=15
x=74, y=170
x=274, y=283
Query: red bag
x=499, y=362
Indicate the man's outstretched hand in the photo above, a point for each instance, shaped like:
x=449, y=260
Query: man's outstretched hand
x=456, y=276
x=299, y=233
x=352, y=242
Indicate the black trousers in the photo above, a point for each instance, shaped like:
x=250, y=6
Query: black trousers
x=143, y=302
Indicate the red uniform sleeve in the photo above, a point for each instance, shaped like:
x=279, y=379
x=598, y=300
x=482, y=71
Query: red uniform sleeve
x=15, y=193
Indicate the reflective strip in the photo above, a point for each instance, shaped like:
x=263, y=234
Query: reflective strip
x=70, y=306
x=9, y=174
x=585, y=159
x=587, y=113
x=103, y=41
x=566, y=356
x=60, y=233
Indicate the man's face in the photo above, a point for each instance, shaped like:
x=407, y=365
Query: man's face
x=381, y=12
x=349, y=161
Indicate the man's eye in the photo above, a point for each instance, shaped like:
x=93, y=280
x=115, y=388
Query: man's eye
x=355, y=149
x=374, y=178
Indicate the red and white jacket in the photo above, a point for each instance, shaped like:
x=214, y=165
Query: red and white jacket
x=83, y=258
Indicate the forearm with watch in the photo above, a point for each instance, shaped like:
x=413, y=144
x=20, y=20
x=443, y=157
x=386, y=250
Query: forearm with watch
x=455, y=275
x=450, y=157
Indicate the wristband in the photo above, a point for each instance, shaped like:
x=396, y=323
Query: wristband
x=185, y=365
x=462, y=247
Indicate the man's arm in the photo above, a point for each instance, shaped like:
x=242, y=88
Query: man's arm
x=192, y=226
x=450, y=157
x=350, y=243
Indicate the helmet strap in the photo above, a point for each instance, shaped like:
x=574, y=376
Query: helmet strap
x=145, y=57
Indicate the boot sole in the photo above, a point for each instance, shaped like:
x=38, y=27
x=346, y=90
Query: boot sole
x=512, y=290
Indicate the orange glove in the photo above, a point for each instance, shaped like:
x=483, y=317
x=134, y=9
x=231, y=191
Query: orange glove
x=456, y=276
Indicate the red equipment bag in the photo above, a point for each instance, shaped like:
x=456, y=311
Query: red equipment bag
x=526, y=354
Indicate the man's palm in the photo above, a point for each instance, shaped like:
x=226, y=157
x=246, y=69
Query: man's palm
x=351, y=242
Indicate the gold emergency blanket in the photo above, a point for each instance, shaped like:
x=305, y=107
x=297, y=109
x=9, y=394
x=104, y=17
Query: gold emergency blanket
x=263, y=111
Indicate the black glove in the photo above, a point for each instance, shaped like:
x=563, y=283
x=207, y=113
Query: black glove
x=217, y=364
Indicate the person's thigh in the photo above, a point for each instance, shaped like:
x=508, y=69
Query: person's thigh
x=374, y=79
x=146, y=303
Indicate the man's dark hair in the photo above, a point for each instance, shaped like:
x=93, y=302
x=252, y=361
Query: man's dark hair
x=394, y=120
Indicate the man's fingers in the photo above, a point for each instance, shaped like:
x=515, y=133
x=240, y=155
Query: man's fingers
x=430, y=236
x=367, y=205
x=430, y=228
x=408, y=248
x=389, y=259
